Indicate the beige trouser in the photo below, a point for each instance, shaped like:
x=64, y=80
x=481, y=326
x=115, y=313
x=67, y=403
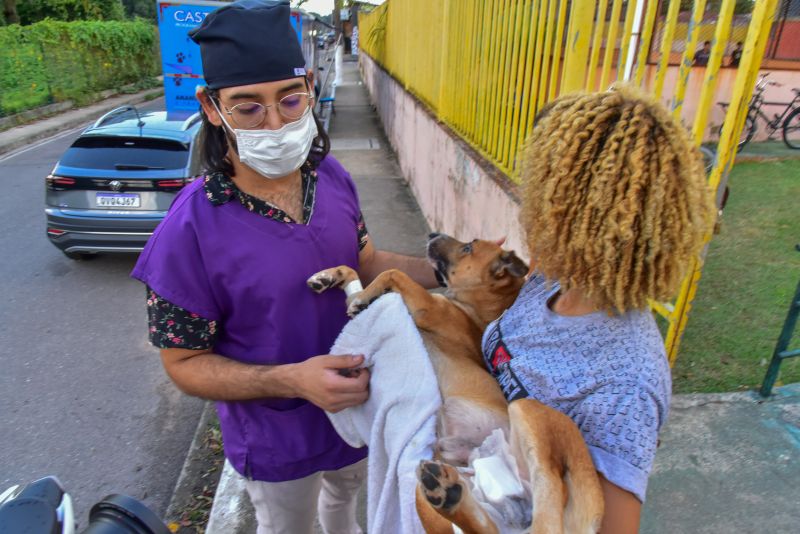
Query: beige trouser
x=288, y=507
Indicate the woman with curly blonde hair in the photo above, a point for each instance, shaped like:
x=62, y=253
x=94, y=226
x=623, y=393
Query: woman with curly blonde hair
x=615, y=205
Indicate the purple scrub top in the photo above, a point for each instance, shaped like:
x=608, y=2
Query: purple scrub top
x=248, y=272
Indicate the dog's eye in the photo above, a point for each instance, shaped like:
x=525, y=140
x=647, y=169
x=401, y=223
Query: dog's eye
x=467, y=248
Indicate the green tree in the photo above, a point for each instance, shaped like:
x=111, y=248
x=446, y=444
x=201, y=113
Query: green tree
x=140, y=8
x=10, y=15
x=31, y=11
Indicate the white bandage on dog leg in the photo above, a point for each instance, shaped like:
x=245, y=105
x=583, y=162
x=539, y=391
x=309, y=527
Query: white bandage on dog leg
x=353, y=287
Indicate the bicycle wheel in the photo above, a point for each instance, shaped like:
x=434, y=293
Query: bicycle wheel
x=791, y=130
x=747, y=133
x=709, y=155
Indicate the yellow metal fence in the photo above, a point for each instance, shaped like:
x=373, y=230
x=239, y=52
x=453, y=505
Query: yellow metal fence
x=485, y=67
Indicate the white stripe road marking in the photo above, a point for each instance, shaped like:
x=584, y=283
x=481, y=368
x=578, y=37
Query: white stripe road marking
x=20, y=151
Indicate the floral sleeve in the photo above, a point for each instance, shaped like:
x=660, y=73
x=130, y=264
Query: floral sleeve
x=171, y=326
x=363, y=235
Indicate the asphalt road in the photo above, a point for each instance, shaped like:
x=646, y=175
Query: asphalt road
x=82, y=393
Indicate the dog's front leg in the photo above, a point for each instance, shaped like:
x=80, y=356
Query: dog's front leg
x=417, y=299
x=340, y=277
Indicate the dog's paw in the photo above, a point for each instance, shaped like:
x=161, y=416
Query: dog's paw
x=441, y=484
x=324, y=280
x=356, y=306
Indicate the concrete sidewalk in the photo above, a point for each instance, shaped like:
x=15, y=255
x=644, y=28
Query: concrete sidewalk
x=24, y=135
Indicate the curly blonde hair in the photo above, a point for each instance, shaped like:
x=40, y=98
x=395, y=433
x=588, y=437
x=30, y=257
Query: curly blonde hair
x=615, y=200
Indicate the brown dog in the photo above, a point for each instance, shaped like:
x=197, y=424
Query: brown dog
x=482, y=281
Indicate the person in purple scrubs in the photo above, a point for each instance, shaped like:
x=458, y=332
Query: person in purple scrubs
x=225, y=272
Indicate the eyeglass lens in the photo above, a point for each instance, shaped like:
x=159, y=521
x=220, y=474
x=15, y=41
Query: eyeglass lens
x=251, y=114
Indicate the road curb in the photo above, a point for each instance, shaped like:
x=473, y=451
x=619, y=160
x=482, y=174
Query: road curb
x=22, y=135
x=231, y=512
x=187, y=475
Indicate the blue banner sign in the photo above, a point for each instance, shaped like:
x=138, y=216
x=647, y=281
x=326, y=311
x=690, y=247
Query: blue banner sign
x=180, y=56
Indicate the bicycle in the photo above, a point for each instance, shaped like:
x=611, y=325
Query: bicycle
x=788, y=121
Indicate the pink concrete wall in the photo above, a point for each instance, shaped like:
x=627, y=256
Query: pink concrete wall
x=459, y=194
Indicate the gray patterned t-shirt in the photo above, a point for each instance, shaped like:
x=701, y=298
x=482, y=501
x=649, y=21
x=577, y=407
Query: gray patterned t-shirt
x=609, y=373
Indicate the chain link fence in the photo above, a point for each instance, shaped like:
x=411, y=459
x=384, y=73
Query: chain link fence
x=783, y=46
x=785, y=39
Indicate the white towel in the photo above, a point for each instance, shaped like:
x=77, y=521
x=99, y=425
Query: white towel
x=398, y=422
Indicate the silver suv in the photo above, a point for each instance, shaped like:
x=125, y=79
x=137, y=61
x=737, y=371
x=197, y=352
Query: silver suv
x=112, y=187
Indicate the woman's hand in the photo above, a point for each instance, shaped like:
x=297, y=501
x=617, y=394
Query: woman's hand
x=331, y=382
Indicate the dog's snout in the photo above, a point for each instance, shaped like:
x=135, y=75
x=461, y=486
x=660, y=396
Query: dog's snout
x=433, y=235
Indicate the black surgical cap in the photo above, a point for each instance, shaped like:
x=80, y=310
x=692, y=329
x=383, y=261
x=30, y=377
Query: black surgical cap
x=249, y=41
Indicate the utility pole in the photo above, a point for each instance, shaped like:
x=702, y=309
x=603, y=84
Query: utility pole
x=337, y=17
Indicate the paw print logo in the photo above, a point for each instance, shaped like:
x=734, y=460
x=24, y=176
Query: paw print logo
x=180, y=56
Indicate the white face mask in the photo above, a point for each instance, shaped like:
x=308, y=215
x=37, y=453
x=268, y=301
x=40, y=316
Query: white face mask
x=275, y=153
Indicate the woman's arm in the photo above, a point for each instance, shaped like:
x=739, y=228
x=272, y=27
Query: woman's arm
x=622, y=509
x=204, y=374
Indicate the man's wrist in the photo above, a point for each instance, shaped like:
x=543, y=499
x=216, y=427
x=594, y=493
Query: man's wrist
x=281, y=380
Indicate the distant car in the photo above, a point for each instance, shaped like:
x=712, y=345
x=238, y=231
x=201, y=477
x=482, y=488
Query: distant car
x=112, y=187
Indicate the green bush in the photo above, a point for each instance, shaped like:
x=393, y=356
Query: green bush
x=52, y=61
x=31, y=11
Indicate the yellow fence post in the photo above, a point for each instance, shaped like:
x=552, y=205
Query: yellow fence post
x=557, y=49
x=666, y=46
x=611, y=44
x=528, y=88
x=538, y=57
x=553, y=61
x=627, y=32
x=523, y=79
x=749, y=65
x=721, y=34
x=646, y=38
x=688, y=57
x=576, y=52
x=445, y=66
x=599, y=26
x=511, y=108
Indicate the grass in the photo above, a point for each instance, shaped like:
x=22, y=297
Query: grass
x=751, y=273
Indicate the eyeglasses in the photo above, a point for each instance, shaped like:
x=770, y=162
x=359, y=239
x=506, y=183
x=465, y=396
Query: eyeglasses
x=251, y=114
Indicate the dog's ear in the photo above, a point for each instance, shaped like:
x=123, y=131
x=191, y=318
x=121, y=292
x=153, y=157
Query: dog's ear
x=508, y=262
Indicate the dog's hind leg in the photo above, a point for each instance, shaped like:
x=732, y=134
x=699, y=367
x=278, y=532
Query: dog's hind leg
x=552, y=456
x=442, y=489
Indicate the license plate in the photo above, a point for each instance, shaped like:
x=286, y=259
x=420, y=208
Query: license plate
x=120, y=200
